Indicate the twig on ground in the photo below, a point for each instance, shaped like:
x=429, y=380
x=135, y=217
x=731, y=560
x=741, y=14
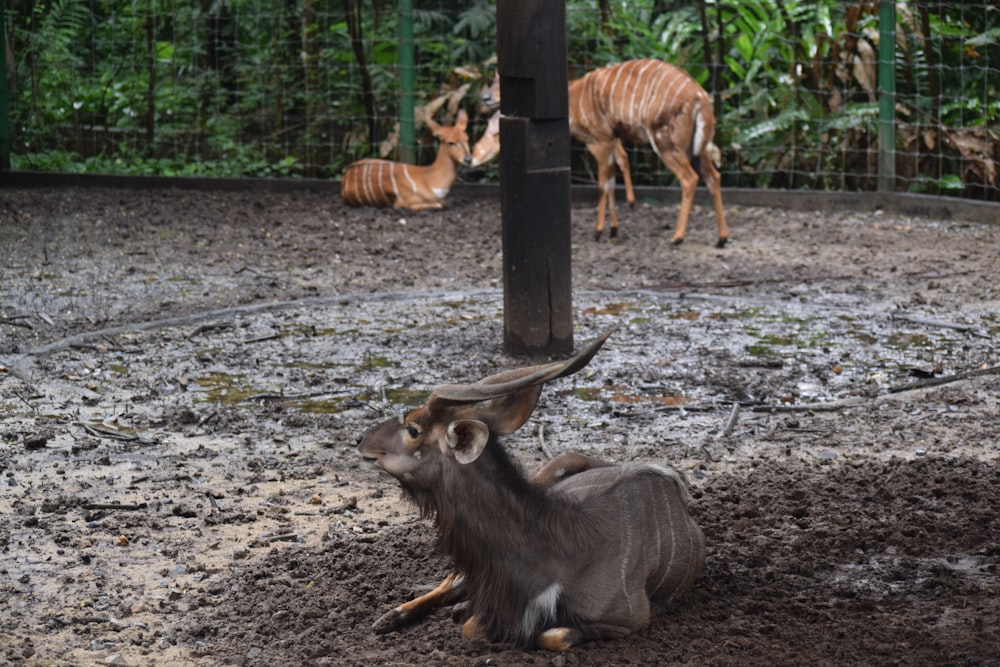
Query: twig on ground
x=541, y=442
x=102, y=432
x=262, y=339
x=271, y=539
x=206, y=328
x=831, y=406
x=115, y=506
x=944, y=379
x=734, y=415
x=965, y=328
x=269, y=396
x=15, y=321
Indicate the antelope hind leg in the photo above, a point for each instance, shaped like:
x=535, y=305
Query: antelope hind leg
x=447, y=592
x=678, y=163
x=563, y=638
x=563, y=466
x=621, y=159
x=712, y=179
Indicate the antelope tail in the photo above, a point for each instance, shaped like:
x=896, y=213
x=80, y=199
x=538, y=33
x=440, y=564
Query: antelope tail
x=698, y=142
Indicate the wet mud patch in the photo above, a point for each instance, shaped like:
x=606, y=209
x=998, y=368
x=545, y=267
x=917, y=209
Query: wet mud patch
x=183, y=376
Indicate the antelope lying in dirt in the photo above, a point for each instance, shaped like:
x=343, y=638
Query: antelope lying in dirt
x=376, y=182
x=648, y=101
x=574, y=555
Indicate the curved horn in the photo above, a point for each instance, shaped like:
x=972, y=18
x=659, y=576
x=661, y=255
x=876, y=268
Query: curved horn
x=509, y=382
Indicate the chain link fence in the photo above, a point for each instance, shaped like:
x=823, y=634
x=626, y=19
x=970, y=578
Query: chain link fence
x=301, y=88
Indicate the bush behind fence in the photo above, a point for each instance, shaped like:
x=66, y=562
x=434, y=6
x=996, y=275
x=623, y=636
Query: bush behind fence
x=304, y=87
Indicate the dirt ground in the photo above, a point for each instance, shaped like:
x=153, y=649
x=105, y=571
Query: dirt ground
x=183, y=376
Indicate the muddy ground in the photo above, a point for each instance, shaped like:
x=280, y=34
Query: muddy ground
x=183, y=376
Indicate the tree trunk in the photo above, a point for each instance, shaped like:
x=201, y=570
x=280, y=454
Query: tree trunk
x=352, y=12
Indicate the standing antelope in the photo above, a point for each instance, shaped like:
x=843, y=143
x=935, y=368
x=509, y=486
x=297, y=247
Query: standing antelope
x=577, y=554
x=376, y=182
x=648, y=101
x=488, y=147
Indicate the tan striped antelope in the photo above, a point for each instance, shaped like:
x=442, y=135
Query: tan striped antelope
x=374, y=182
x=648, y=102
x=574, y=555
x=488, y=146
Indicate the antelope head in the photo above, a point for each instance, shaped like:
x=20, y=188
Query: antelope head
x=457, y=421
x=453, y=137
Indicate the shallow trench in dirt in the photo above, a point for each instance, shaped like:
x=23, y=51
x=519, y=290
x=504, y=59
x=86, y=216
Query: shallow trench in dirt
x=183, y=376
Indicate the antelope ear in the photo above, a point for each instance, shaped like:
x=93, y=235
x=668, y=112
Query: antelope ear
x=462, y=120
x=467, y=438
x=432, y=124
x=508, y=413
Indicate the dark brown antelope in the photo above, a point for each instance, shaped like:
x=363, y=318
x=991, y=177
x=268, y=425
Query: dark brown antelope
x=376, y=182
x=574, y=555
x=648, y=102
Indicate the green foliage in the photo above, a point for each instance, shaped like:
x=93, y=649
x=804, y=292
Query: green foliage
x=274, y=88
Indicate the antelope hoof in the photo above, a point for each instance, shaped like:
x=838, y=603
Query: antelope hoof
x=721, y=243
x=597, y=235
x=677, y=241
x=460, y=612
x=559, y=639
x=392, y=620
x=614, y=232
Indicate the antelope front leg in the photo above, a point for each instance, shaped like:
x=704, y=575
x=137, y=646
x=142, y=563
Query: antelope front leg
x=448, y=591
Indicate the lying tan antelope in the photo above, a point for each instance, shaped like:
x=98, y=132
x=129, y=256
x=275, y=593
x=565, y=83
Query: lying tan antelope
x=648, y=101
x=575, y=555
x=374, y=182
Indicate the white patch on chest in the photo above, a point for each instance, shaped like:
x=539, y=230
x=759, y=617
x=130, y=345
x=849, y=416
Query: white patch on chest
x=541, y=610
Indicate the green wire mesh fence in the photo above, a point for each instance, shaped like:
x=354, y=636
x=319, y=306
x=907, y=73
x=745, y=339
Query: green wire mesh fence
x=300, y=88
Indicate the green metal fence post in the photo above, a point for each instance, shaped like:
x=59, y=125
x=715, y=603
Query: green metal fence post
x=4, y=101
x=406, y=81
x=887, y=96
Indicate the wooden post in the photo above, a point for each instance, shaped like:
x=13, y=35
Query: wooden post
x=4, y=100
x=534, y=176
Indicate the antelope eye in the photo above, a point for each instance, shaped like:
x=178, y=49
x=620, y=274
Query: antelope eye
x=412, y=431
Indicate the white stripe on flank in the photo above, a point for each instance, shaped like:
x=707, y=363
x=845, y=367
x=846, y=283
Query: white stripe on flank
x=409, y=179
x=366, y=183
x=676, y=85
x=626, y=557
x=392, y=179
x=639, y=91
x=668, y=570
x=376, y=182
x=653, y=93
x=613, y=110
